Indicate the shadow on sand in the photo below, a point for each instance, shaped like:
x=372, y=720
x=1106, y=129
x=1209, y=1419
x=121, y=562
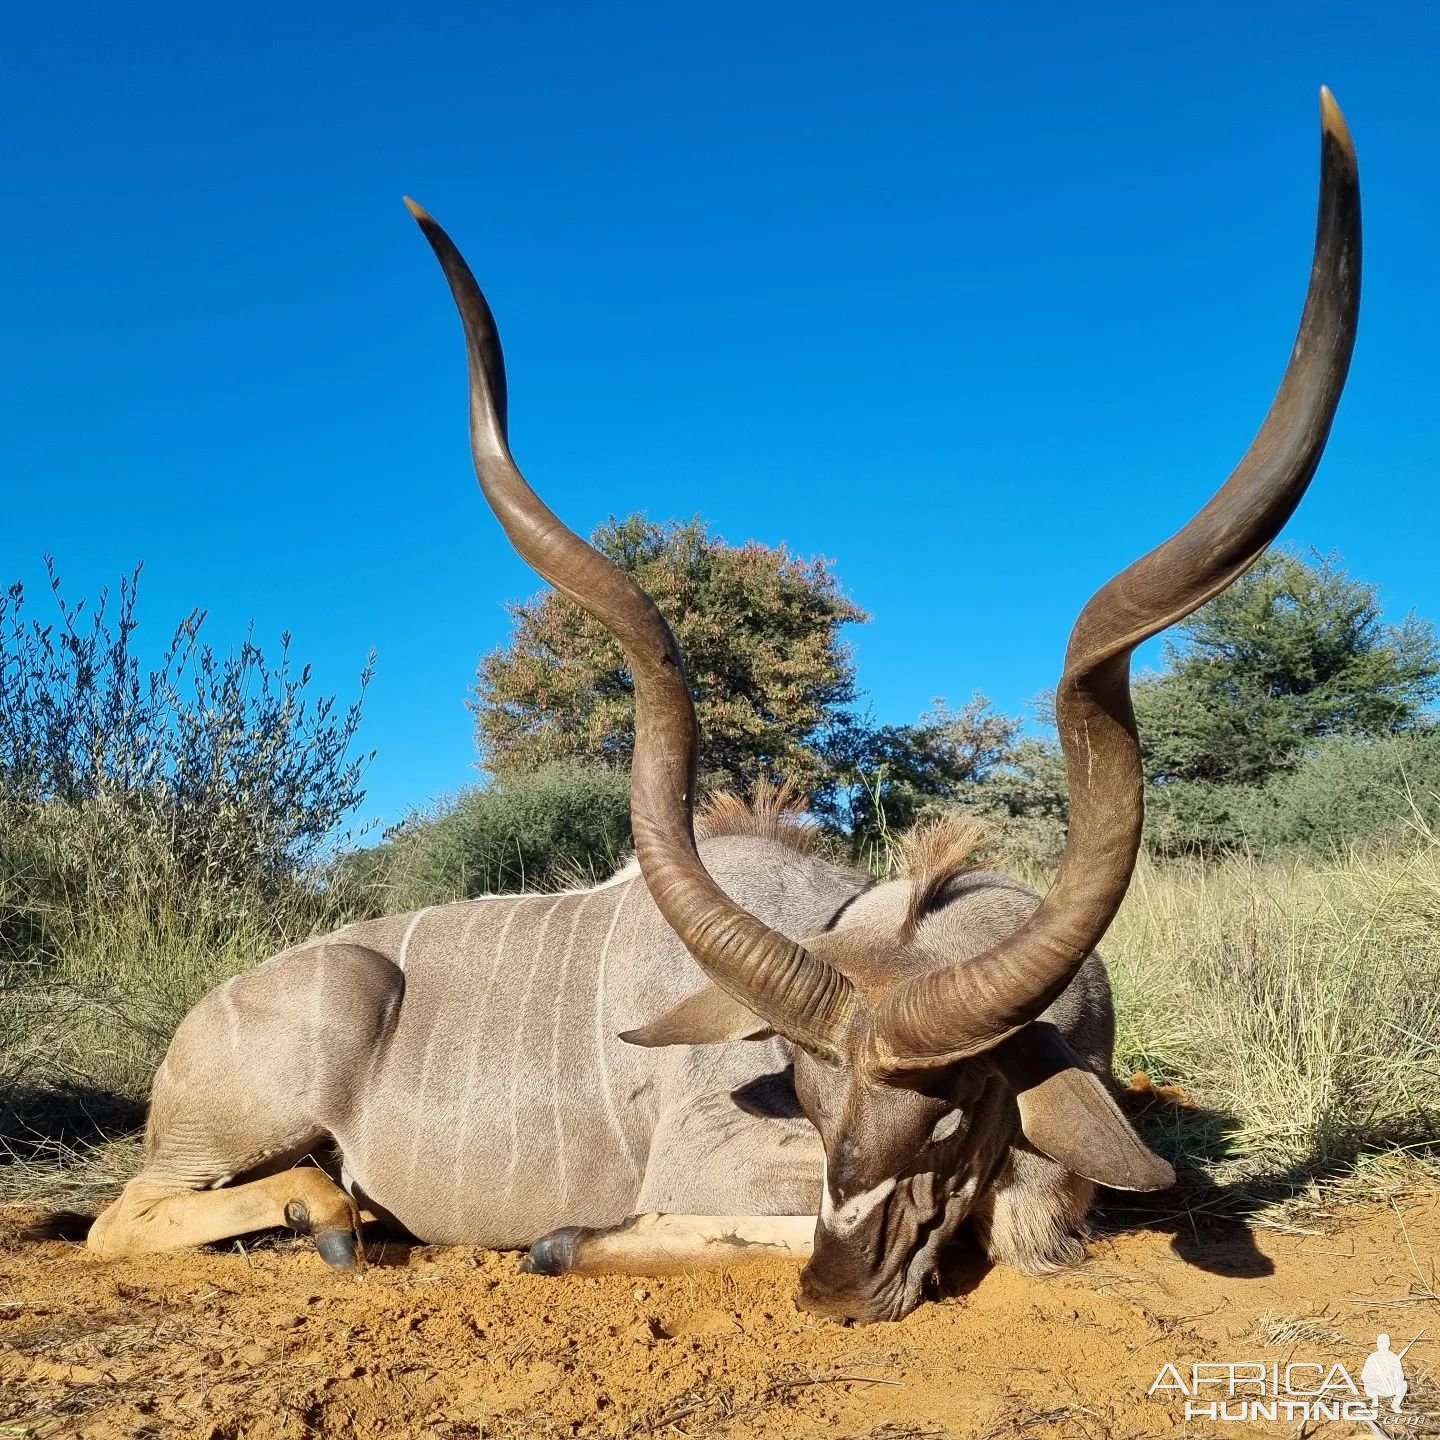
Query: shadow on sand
x=1210, y=1223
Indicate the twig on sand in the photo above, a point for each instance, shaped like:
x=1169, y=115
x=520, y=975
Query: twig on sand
x=778, y=1386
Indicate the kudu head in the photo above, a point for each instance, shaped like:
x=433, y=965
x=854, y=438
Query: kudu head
x=903, y=1039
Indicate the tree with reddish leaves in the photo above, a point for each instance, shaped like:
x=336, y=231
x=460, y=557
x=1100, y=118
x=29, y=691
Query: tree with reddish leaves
x=759, y=626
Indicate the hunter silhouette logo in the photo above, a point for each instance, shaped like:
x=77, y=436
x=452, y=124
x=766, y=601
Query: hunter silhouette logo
x=1306, y=1391
x=1384, y=1376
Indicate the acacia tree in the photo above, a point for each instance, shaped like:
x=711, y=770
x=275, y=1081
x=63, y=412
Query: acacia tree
x=1276, y=697
x=1293, y=664
x=760, y=630
x=1296, y=651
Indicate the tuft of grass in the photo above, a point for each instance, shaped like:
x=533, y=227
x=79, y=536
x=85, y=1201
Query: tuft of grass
x=1297, y=1000
x=1287, y=1330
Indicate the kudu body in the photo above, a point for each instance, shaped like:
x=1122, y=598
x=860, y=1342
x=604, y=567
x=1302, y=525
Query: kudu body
x=555, y=1071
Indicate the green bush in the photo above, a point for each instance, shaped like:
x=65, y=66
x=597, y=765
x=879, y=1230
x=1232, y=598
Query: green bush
x=230, y=756
x=559, y=824
x=1344, y=792
x=159, y=829
x=1348, y=791
x=1192, y=817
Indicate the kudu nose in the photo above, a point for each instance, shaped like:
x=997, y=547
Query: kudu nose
x=843, y=1301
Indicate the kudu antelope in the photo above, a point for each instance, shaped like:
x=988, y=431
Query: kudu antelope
x=464, y=1070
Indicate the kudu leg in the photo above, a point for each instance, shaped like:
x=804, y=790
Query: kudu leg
x=257, y=1077
x=149, y=1217
x=658, y=1244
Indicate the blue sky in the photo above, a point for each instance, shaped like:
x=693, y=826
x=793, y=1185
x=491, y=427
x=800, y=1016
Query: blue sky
x=980, y=302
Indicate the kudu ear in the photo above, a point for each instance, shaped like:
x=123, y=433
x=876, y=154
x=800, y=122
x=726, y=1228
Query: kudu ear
x=1067, y=1113
x=709, y=1017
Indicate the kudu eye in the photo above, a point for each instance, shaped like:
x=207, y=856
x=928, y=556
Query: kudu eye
x=945, y=1128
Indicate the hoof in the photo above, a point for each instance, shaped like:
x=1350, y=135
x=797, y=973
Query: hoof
x=552, y=1254
x=339, y=1249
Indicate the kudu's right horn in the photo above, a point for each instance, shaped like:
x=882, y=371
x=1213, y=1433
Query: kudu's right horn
x=799, y=994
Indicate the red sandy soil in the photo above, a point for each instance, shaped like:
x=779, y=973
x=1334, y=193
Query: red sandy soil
x=448, y=1344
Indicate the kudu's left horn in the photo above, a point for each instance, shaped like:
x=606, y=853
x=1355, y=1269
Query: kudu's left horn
x=947, y=1014
x=799, y=994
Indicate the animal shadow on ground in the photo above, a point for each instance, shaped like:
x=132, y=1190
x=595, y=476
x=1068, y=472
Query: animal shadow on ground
x=1206, y=1220
x=52, y=1123
x=71, y=1225
x=388, y=1247
x=1211, y=1223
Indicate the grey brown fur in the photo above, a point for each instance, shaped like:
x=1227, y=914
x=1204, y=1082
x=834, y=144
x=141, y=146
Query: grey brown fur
x=532, y=1115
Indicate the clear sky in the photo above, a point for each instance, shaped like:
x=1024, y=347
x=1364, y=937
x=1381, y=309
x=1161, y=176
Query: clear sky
x=979, y=301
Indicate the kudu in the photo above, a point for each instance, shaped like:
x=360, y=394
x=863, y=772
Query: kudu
x=950, y=1034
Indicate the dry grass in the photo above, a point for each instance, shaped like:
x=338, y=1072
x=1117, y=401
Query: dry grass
x=1297, y=1001
x=1285, y=1331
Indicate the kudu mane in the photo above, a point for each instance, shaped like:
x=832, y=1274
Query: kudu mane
x=932, y=854
x=773, y=812
x=929, y=855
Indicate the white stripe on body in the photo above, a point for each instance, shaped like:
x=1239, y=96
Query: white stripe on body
x=472, y=1080
x=417, y=1135
x=602, y=1037
x=564, y=1168
x=522, y=1010
x=409, y=932
x=232, y=1011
